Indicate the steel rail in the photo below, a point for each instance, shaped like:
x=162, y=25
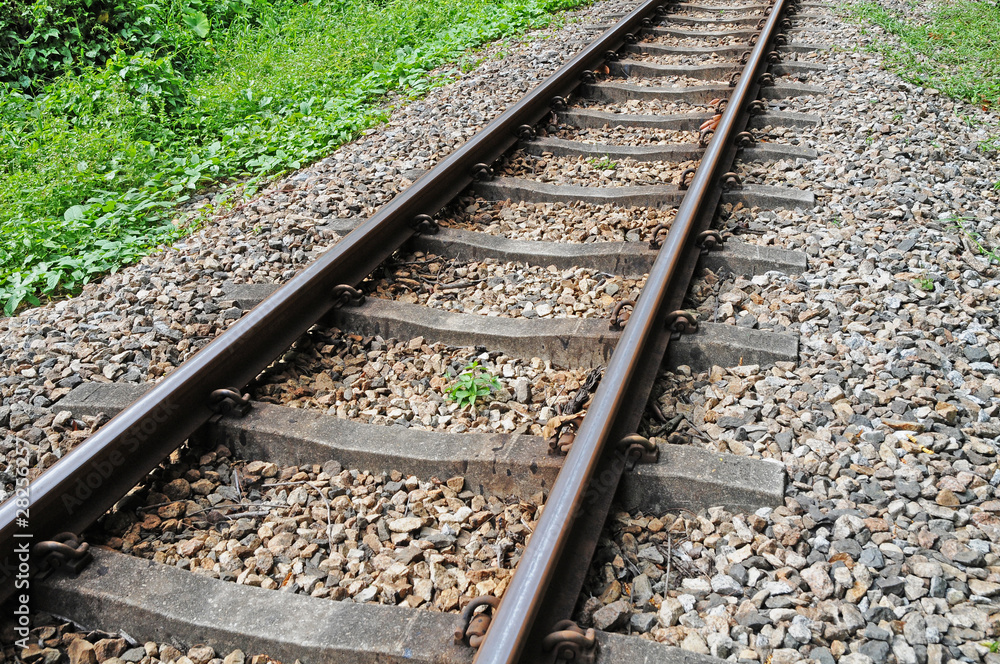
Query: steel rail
x=518, y=626
x=91, y=478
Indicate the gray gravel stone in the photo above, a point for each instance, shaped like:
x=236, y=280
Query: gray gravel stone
x=613, y=615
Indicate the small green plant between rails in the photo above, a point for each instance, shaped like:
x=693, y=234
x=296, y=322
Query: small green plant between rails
x=114, y=112
x=925, y=283
x=474, y=382
x=603, y=164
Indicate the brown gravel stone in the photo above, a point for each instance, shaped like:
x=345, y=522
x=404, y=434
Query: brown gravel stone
x=201, y=654
x=108, y=648
x=81, y=651
x=179, y=489
x=947, y=498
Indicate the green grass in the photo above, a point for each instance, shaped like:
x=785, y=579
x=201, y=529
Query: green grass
x=93, y=166
x=966, y=225
x=956, y=51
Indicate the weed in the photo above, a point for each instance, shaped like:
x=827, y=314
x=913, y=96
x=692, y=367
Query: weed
x=603, y=164
x=925, y=283
x=472, y=383
x=974, y=237
x=989, y=145
x=993, y=646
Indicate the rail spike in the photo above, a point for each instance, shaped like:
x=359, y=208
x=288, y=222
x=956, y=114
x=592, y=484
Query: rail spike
x=745, y=139
x=64, y=550
x=683, y=182
x=571, y=643
x=710, y=239
x=617, y=320
x=473, y=626
x=424, y=223
x=563, y=440
x=731, y=180
x=345, y=294
x=681, y=322
x=656, y=241
x=481, y=172
x=229, y=401
x=638, y=449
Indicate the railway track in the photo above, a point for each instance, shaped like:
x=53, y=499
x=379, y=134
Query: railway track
x=370, y=331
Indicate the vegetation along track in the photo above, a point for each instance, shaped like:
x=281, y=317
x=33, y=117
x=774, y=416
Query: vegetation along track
x=255, y=473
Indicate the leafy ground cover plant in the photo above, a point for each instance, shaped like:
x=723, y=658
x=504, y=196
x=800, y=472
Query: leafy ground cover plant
x=94, y=161
x=474, y=382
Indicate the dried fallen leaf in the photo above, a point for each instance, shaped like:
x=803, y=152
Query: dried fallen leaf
x=555, y=423
x=712, y=124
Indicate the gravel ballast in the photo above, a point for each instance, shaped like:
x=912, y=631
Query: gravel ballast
x=559, y=222
x=53, y=640
x=512, y=290
x=326, y=531
x=378, y=381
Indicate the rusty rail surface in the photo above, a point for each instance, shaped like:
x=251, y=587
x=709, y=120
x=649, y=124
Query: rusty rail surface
x=91, y=478
x=531, y=624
